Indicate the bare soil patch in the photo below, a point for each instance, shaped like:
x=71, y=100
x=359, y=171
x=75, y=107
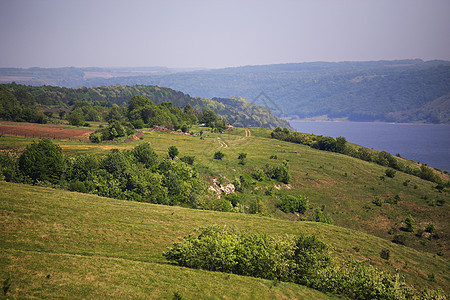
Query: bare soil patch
x=43, y=131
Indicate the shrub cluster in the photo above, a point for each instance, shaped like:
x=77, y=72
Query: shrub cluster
x=135, y=174
x=304, y=260
x=292, y=204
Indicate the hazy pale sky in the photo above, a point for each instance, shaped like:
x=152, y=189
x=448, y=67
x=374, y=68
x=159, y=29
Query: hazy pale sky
x=212, y=34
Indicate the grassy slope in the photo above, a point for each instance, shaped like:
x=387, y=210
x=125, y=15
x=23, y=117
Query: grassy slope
x=58, y=244
x=344, y=186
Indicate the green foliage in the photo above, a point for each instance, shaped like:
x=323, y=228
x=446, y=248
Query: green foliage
x=183, y=184
x=390, y=173
x=75, y=119
x=292, y=204
x=430, y=228
x=43, y=161
x=410, y=223
x=320, y=216
x=377, y=201
x=258, y=174
x=219, y=155
x=305, y=260
x=242, y=158
x=399, y=239
x=6, y=285
x=177, y=296
x=9, y=167
x=189, y=159
x=173, y=152
x=280, y=173
x=145, y=155
x=385, y=254
x=17, y=104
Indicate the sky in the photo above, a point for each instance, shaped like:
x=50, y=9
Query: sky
x=216, y=34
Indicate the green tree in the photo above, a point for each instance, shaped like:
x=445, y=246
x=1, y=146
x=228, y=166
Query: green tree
x=43, y=161
x=145, y=155
x=219, y=155
x=115, y=162
x=410, y=223
x=173, y=152
x=75, y=119
x=292, y=204
x=390, y=172
x=208, y=117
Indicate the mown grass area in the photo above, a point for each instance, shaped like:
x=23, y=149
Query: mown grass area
x=57, y=243
x=340, y=186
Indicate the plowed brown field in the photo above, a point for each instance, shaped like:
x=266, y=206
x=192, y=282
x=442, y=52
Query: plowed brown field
x=43, y=131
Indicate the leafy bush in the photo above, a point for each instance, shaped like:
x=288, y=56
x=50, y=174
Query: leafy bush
x=399, y=239
x=377, y=201
x=390, y=173
x=173, y=152
x=219, y=155
x=303, y=259
x=322, y=217
x=188, y=159
x=279, y=173
x=410, y=223
x=145, y=155
x=75, y=119
x=258, y=174
x=9, y=167
x=288, y=203
x=242, y=156
x=43, y=161
x=385, y=254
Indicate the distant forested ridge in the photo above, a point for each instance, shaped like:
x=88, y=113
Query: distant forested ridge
x=237, y=111
x=393, y=91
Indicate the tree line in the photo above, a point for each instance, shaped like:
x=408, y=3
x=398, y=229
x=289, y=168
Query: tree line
x=94, y=104
x=339, y=145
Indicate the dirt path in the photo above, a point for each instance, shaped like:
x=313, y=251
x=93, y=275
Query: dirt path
x=223, y=144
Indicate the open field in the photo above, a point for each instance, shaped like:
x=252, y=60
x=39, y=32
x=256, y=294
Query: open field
x=59, y=244
x=33, y=130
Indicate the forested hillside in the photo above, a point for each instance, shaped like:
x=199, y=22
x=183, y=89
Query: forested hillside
x=394, y=91
x=32, y=99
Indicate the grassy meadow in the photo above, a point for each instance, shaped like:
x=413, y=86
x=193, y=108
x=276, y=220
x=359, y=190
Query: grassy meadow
x=60, y=244
x=57, y=243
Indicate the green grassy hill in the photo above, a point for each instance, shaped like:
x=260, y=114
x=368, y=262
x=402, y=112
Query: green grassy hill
x=99, y=247
x=62, y=244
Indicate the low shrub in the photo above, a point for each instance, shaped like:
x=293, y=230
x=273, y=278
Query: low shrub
x=292, y=204
x=219, y=155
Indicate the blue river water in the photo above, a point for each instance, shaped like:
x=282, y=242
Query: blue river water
x=429, y=144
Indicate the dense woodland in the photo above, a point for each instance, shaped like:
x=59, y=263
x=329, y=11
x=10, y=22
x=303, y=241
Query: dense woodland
x=393, y=91
x=33, y=104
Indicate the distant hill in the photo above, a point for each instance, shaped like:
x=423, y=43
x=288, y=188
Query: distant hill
x=394, y=91
x=237, y=111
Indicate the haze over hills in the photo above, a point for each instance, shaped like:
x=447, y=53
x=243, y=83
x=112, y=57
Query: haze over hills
x=393, y=91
